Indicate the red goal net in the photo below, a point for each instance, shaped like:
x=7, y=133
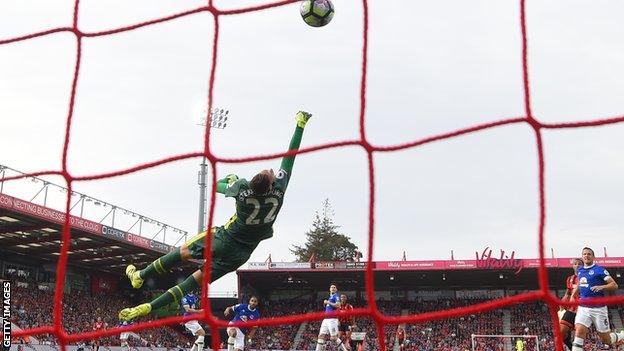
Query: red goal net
x=371, y=311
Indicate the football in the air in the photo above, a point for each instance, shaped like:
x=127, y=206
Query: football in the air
x=317, y=13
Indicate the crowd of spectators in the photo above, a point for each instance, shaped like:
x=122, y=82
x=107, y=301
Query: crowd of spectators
x=453, y=334
x=279, y=337
x=33, y=308
x=533, y=318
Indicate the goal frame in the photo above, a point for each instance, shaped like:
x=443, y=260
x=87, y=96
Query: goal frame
x=473, y=336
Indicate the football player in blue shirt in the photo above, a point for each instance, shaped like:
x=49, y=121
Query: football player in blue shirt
x=329, y=326
x=246, y=313
x=189, y=305
x=594, y=280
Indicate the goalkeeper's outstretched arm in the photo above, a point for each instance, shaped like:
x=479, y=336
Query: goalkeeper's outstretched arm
x=223, y=184
x=288, y=161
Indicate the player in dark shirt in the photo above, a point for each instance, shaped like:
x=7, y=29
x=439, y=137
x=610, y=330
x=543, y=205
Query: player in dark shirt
x=400, y=338
x=345, y=323
x=98, y=325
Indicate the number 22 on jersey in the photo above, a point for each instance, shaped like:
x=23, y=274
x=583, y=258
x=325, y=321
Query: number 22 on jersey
x=268, y=218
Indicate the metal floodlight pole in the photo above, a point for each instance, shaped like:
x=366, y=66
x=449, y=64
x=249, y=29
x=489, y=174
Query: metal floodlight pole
x=201, y=225
x=216, y=119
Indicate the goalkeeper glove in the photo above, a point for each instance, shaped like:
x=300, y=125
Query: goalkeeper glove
x=302, y=118
x=231, y=178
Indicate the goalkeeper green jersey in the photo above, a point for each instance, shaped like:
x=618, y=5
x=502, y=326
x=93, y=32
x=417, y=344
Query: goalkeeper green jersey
x=255, y=214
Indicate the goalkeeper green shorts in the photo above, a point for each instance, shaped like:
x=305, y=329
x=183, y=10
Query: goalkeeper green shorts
x=227, y=253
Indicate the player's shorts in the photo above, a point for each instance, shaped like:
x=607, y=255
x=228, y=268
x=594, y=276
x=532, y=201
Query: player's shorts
x=344, y=327
x=329, y=326
x=239, y=340
x=568, y=319
x=598, y=316
x=193, y=326
x=227, y=253
x=127, y=335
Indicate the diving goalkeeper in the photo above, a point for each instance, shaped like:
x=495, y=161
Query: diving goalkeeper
x=257, y=204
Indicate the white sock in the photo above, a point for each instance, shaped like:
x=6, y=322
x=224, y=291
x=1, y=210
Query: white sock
x=200, y=343
x=320, y=345
x=616, y=337
x=231, y=343
x=341, y=345
x=577, y=344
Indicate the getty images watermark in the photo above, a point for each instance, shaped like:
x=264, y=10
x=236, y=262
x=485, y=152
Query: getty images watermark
x=6, y=314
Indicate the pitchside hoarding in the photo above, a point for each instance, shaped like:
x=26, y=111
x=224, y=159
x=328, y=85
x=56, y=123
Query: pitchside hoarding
x=432, y=265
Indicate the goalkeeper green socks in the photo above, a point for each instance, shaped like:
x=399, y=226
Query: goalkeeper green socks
x=161, y=265
x=176, y=293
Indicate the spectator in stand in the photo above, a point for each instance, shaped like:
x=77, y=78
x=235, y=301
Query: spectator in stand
x=36, y=310
x=33, y=307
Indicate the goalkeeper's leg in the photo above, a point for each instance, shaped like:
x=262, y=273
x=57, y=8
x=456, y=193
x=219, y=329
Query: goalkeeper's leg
x=193, y=248
x=227, y=256
x=173, y=294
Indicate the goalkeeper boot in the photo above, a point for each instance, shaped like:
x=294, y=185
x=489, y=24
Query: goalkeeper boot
x=128, y=314
x=302, y=118
x=134, y=276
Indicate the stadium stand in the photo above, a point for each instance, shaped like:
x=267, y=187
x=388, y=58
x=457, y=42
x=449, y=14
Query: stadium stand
x=279, y=337
x=33, y=308
x=533, y=319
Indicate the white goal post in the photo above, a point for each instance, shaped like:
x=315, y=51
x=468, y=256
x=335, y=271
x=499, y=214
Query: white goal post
x=511, y=338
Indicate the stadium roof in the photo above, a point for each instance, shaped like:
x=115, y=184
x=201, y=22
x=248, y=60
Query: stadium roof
x=32, y=233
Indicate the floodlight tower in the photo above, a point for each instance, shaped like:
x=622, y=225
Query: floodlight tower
x=217, y=119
